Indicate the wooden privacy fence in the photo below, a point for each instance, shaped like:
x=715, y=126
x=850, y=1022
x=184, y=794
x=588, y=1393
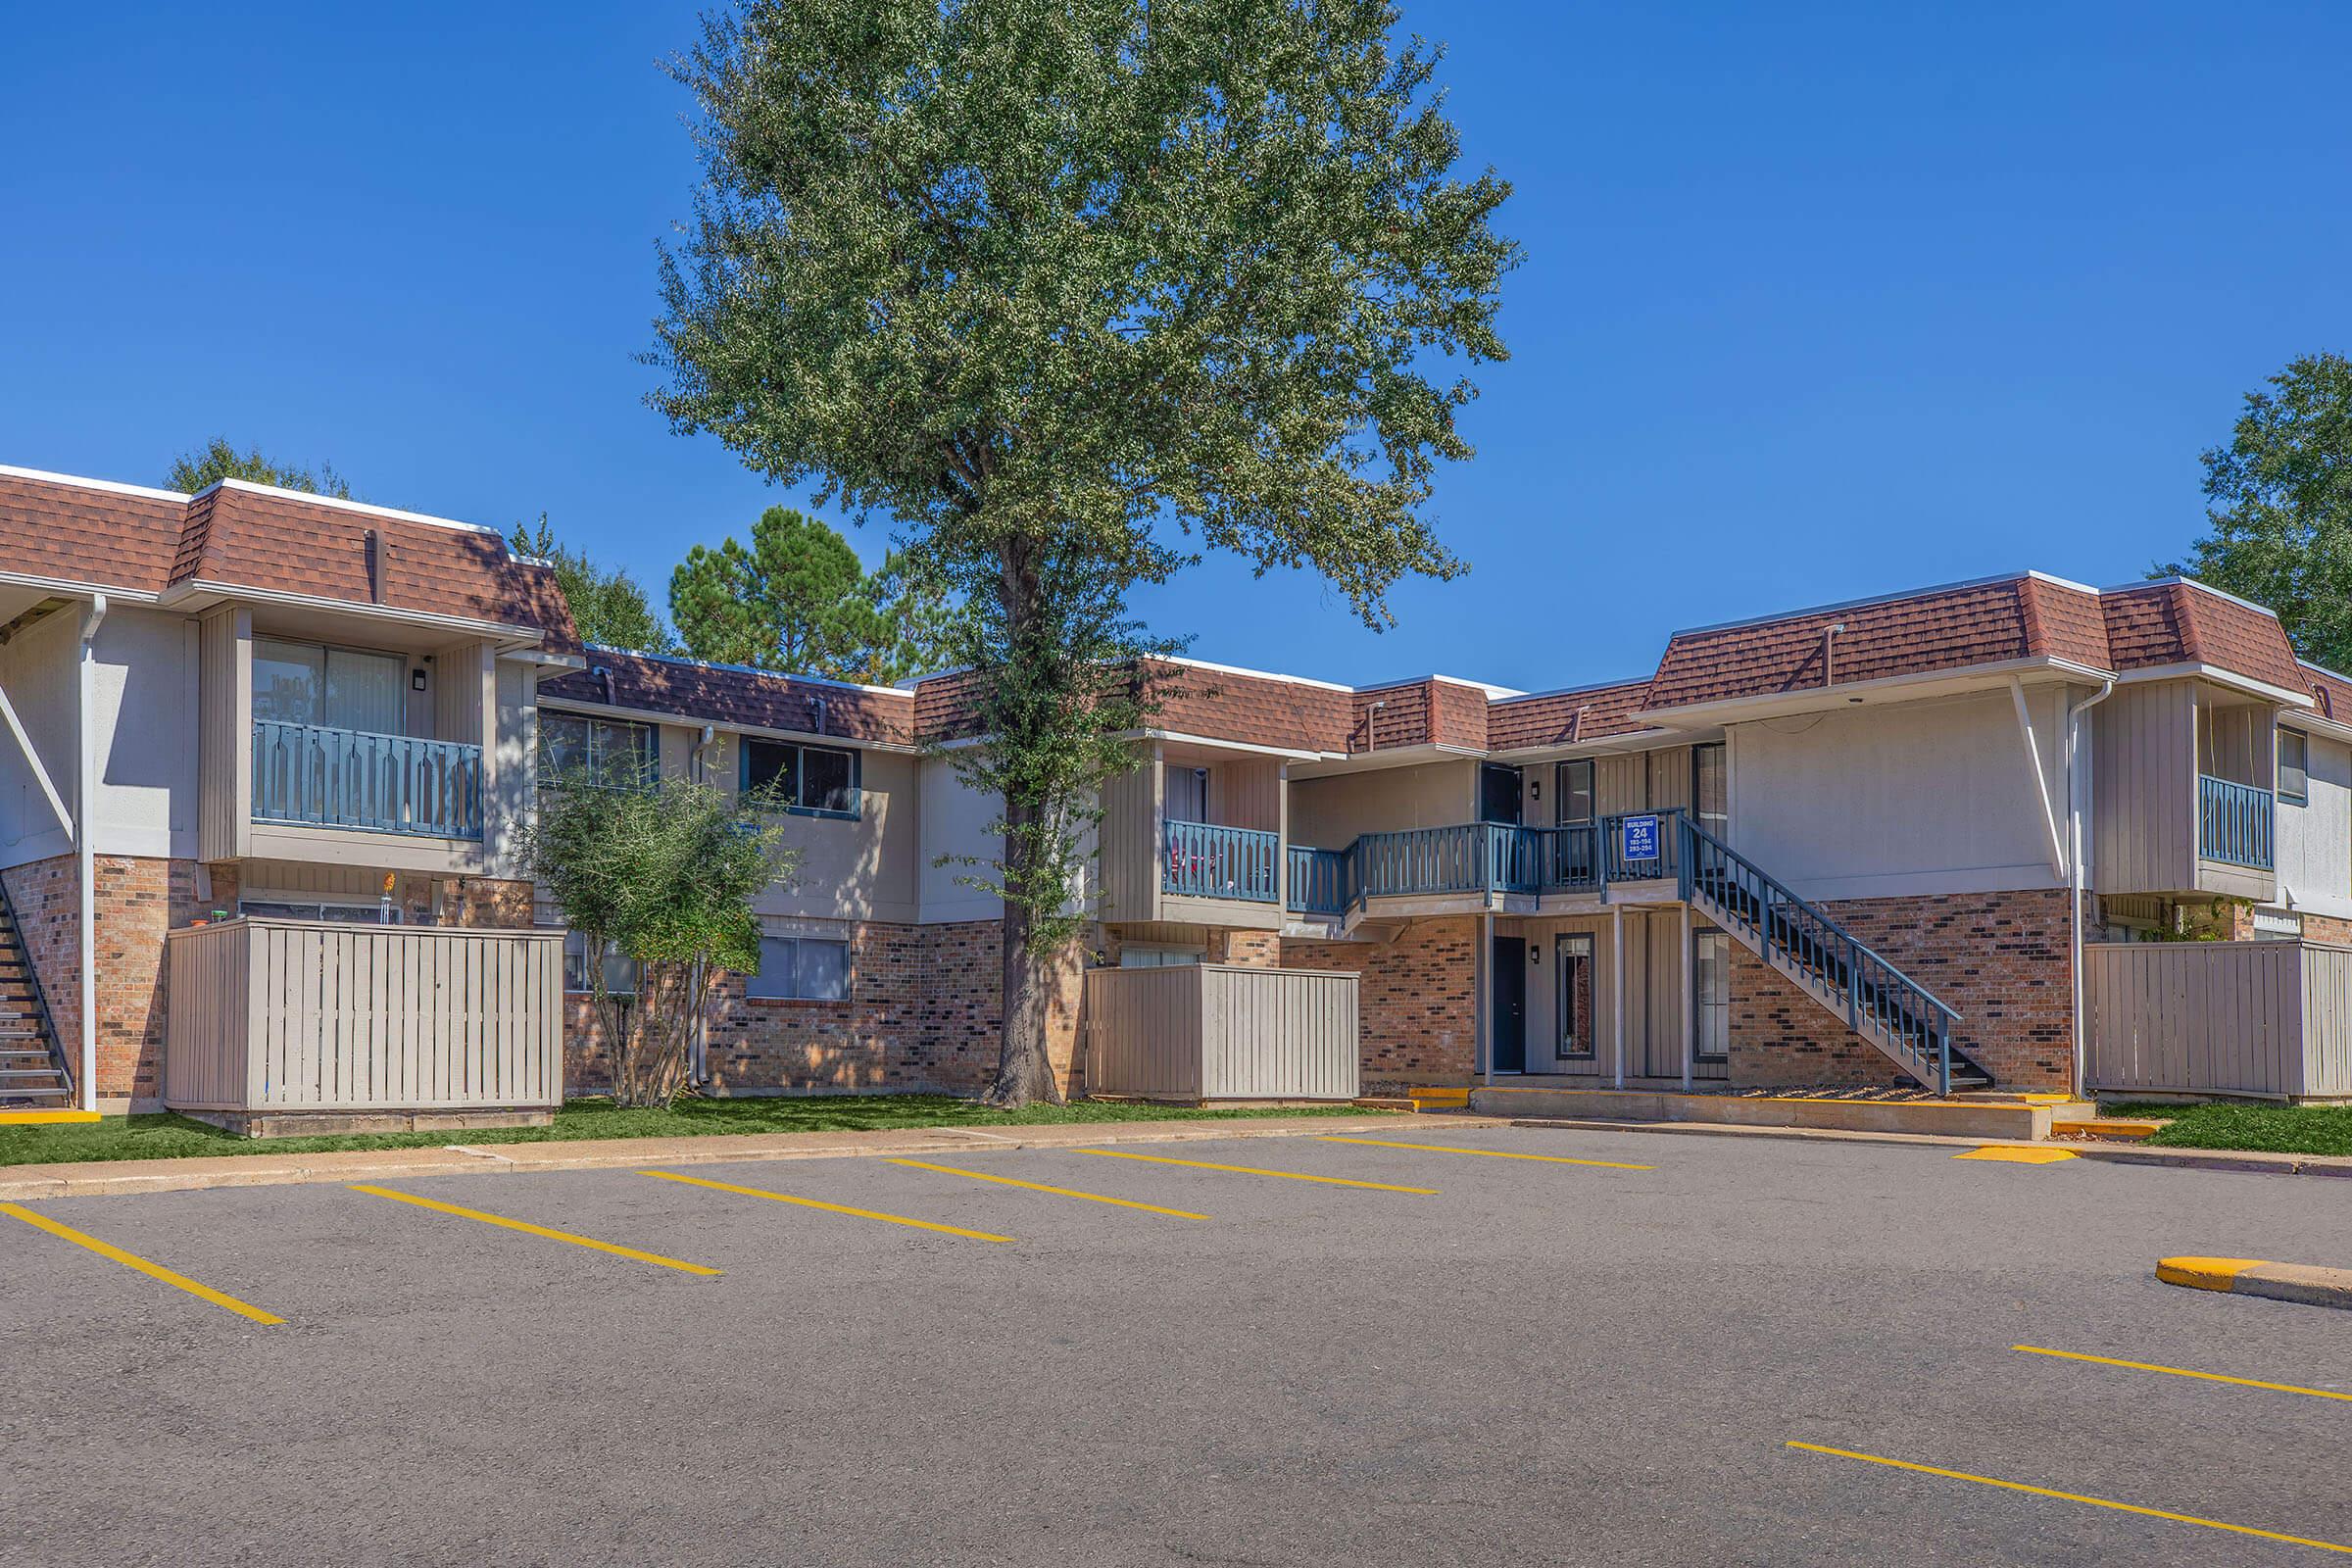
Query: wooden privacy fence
x=1214, y=1031
x=2263, y=1019
x=269, y=1014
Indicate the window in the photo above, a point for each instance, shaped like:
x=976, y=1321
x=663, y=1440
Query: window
x=1577, y=1042
x=1712, y=978
x=1187, y=794
x=1710, y=797
x=621, y=970
x=1575, y=792
x=380, y=912
x=616, y=752
x=801, y=968
x=1132, y=957
x=341, y=688
x=2294, y=766
x=817, y=779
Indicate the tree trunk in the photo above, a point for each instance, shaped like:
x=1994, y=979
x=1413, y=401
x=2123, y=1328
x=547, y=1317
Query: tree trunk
x=1024, y=1068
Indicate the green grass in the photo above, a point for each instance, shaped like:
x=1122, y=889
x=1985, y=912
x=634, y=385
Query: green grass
x=165, y=1136
x=2276, y=1129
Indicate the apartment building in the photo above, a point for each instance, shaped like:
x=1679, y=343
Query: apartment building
x=1852, y=845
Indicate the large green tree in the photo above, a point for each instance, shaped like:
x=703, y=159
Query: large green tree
x=2279, y=499
x=216, y=460
x=793, y=600
x=1066, y=289
x=607, y=604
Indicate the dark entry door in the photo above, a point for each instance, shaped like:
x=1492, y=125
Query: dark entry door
x=1498, y=793
x=1509, y=994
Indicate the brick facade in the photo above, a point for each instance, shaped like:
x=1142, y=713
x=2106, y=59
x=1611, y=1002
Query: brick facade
x=1253, y=949
x=1416, y=1000
x=136, y=900
x=2000, y=960
x=923, y=1013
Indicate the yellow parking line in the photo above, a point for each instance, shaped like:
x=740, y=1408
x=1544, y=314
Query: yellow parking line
x=1253, y=1170
x=2182, y=1372
x=2074, y=1496
x=528, y=1229
x=154, y=1271
x=1040, y=1187
x=830, y=1209
x=1491, y=1154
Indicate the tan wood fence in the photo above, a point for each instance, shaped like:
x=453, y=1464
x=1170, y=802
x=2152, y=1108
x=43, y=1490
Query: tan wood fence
x=1214, y=1031
x=269, y=1015
x=2262, y=1019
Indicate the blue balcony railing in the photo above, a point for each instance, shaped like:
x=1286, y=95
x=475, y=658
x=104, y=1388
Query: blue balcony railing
x=377, y=783
x=1495, y=858
x=2235, y=823
x=1202, y=860
x=1318, y=881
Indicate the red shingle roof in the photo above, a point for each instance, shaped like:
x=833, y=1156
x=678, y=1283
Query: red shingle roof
x=246, y=536
x=727, y=694
x=1549, y=718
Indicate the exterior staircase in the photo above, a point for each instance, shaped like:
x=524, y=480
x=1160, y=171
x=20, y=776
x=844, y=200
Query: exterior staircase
x=1907, y=1023
x=33, y=1072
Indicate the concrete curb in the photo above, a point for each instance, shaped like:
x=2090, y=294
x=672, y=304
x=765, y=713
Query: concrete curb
x=118, y=1178
x=2300, y=1283
x=2254, y=1161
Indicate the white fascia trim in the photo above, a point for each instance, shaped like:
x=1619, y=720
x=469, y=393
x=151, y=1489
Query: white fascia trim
x=337, y=503
x=1990, y=676
x=763, y=732
x=1646, y=740
x=77, y=588
x=1184, y=738
x=2311, y=722
x=543, y=659
x=11, y=471
x=197, y=588
x=748, y=669
x=2190, y=670
x=1494, y=691
x=1255, y=674
x=1576, y=691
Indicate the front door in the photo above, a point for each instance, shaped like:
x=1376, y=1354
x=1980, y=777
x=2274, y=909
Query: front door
x=1509, y=1005
x=1498, y=793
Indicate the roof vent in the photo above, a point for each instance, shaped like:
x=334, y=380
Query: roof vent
x=380, y=565
x=603, y=678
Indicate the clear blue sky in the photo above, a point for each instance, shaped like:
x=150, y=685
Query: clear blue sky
x=1819, y=301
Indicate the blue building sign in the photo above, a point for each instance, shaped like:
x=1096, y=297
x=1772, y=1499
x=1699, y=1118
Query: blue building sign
x=1640, y=841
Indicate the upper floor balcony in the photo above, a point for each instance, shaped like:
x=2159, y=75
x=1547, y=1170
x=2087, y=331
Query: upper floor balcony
x=1487, y=860
x=1204, y=861
x=346, y=778
x=2236, y=823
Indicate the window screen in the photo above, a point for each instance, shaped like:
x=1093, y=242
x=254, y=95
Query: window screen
x=803, y=778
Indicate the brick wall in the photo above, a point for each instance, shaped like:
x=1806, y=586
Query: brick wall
x=482, y=901
x=136, y=901
x=1255, y=950
x=1999, y=959
x=1416, y=1000
x=923, y=1012
x=2327, y=928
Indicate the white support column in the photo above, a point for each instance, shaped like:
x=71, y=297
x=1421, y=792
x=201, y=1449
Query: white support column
x=85, y=859
x=1690, y=1004
x=1482, y=984
x=1617, y=984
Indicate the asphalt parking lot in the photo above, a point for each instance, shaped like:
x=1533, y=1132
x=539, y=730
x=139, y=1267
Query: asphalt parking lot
x=1455, y=1359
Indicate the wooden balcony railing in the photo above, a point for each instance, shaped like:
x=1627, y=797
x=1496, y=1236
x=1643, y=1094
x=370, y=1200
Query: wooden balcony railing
x=2235, y=822
x=1202, y=860
x=377, y=783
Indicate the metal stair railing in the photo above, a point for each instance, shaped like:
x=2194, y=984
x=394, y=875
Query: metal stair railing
x=1915, y=1022
x=40, y=997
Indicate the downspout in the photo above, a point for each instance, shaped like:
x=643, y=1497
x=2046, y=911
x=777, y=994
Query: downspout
x=85, y=859
x=698, y=1051
x=1829, y=653
x=2073, y=876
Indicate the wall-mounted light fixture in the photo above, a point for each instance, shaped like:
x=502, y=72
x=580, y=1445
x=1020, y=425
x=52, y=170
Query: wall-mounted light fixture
x=417, y=679
x=1535, y=953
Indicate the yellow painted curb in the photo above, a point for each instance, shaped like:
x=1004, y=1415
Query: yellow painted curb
x=44, y=1118
x=2008, y=1154
x=2205, y=1273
